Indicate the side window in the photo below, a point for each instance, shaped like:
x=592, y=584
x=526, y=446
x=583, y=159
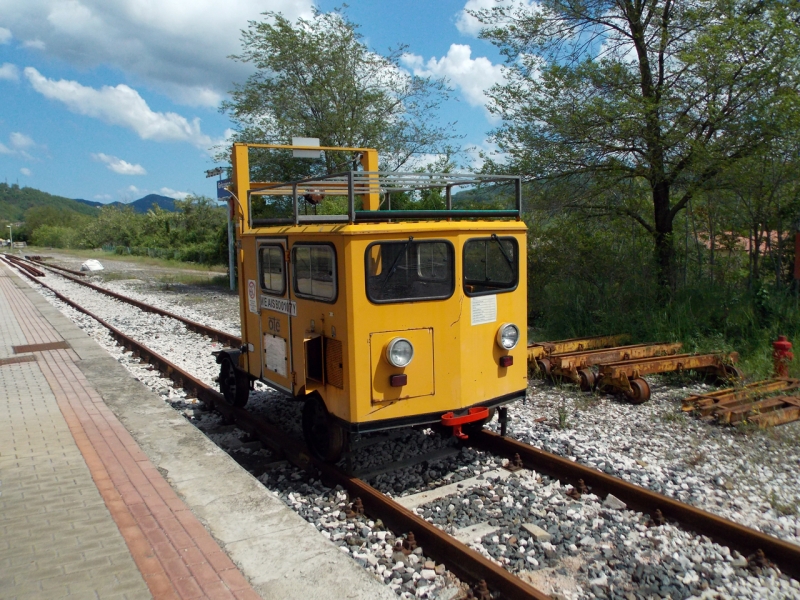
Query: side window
x=490, y=265
x=314, y=268
x=273, y=280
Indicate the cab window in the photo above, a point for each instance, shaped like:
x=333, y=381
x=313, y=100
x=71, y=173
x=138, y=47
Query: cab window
x=314, y=267
x=408, y=270
x=272, y=274
x=490, y=265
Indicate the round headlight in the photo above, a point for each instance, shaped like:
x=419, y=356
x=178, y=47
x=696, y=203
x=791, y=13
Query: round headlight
x=399, y=352
x=508, y=336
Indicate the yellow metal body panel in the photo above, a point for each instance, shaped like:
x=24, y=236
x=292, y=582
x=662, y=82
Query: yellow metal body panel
x=464, y=357
x=420, y=371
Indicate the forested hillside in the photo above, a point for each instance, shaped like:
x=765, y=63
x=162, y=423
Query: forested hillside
x=15, y=201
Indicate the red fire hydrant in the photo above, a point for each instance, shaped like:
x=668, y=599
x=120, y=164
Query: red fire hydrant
x=782, y=355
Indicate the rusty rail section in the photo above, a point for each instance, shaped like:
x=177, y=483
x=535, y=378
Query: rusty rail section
x=626, y=376
x=752, y=403
x=575, y=366
x=537, y=350
x=22, y=265
x=41, y=261
x=459, y=558
x=215, y=334
x=744, y=539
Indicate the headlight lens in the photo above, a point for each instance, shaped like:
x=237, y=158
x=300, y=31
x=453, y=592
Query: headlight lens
x=399, y=352
x=508, y=336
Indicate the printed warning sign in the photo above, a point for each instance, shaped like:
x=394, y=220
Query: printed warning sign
x=484, y=309
x=252, y=301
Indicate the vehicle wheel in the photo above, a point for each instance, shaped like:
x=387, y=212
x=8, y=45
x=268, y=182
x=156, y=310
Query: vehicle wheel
x=544, y=367
x=234, y=385
x=587, y=380
x=476, y=426
x=324, y=437
x=641, y=391
x=729, y=373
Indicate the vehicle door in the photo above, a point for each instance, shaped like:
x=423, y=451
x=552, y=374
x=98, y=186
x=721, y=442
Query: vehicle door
x=276, y=311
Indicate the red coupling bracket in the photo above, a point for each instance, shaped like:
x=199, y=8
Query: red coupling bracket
x=477, y=413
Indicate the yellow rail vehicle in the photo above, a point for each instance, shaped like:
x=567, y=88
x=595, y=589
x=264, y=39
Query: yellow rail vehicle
x=378, y=318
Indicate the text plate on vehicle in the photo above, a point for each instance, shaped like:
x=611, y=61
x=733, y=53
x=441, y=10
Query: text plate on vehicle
x=280, y=305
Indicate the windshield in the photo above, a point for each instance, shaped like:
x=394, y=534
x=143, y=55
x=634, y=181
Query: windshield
x=490, y=265
x=405, y=270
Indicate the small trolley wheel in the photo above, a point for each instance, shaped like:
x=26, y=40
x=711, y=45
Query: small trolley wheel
x=729, y=373
x=587, y=379
x=543, y=364
x=324, y=437
x=641, y=391
x=234, y=384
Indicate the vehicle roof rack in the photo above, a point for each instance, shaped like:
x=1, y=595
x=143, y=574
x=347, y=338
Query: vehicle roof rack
x=384, y=183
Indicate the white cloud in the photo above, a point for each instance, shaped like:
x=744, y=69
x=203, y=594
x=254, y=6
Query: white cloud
x=165, y=191
x=19, y=144
x=9, y=71
x=20, y=141
x=179, y=48
x=35, y=44
x=472, y=76
x=102, y=197
x=5, y=35
x=469, y=25
x=120, y=105
x=25, y=171
x=118, y=165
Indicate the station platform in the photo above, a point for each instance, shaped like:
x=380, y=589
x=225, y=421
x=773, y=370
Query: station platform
x=107, y=492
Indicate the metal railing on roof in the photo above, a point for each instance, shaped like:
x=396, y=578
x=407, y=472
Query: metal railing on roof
x=384, y=183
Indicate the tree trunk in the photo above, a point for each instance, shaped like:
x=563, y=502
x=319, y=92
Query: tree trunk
x=664, y=251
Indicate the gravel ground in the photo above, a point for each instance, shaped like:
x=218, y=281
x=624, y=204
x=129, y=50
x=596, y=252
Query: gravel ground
x=594, y=550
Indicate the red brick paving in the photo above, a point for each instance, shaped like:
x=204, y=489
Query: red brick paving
x=177, y=557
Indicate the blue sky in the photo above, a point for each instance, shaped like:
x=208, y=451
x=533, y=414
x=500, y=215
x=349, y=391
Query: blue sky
x=114, y=99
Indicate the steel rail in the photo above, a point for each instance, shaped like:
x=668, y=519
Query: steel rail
x=744, y=539
x=215, y=334
x=466, y=563
x=45, y=264
x=20, y=264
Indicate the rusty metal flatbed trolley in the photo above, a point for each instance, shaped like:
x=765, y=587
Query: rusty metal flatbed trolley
x=626, y=376
x=540, y=350
x=377, y=318
x=576, y=366
x=763, y=403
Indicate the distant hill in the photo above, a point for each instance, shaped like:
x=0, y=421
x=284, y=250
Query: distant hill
x=14, y=201
x=89, y=202
x=142, y=205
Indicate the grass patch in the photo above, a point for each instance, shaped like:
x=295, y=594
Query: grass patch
x=674, y=417
x=129, y=258
x=786, y=510
x=209, y=279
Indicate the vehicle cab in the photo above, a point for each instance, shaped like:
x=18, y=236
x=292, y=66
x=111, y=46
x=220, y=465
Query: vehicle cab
x=378, y=318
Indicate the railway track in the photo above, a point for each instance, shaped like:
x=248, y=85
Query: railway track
x=215, y=334
x=462, y=561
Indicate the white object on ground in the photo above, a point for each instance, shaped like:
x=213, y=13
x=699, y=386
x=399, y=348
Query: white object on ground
x=92, y=265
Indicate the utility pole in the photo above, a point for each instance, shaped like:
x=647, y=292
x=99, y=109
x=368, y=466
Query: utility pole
x=229, y=198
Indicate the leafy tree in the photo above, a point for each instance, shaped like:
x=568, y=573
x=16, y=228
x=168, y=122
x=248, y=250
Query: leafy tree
x=317, y=78
x=607, y=95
